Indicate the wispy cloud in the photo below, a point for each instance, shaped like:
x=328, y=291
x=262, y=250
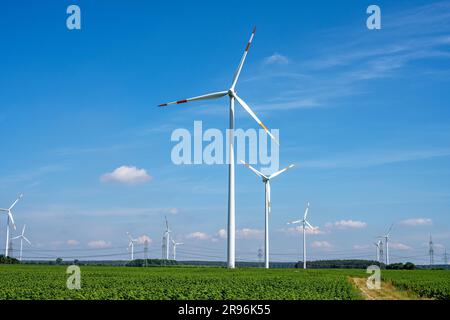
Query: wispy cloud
x=417, y=222
x=399, y=246
x=276, y=58
x=97, y=244
x=375, y=158
x=346, y=224
x=321, y=245
x=352, y=59
x=32, y=175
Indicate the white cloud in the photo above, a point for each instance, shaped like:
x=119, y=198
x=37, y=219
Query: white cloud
x=198, y=236
x=222, y=233
x=361, y=247
x=399, y=246
x=417, y=222
x=174, y=211
x=99, y=244
x=321, y=244
x=142, y=239
x=126, y=175
x=299, y=229
x=276, y=58
x=73, y=242
x=346, y=224
x=248, y=233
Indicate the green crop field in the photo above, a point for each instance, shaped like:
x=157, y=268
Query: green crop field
x=102, y=282
x=434, y=284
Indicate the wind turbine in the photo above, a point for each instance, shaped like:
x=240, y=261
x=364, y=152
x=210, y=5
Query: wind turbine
x=231, y=93
x=167, y=238
x=386, y=242
x=175, y=244
x=305, y=224
x=10, y=220
x=268, y=205
x=378, y=245
x=131, y=245
x=22, y=237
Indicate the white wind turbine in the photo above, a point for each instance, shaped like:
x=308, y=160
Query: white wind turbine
x=22, y=237
x=175, y=244
x=378, y=245
x=131, y=245
x=231, y=93
x=386, y=242
x=10, y=220
x=167, y=238
x=305, y=224
x=268, y=205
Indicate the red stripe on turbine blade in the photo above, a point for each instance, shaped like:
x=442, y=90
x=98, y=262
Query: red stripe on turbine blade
x=254, y=29
x=182, y=101
x=162, y=105
x=248, y=46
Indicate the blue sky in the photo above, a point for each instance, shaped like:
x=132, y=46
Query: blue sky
x=363, y=114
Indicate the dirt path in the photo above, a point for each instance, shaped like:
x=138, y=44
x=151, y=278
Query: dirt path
x=387, y=291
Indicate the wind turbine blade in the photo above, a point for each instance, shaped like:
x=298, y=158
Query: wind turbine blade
x=25, y=238
x=15, y=202
x=11, y=219
x=16, y=238
x=253, y=115
x=167, y=224
x=273, y=175
x=294, y=222
x=306, y=211
x=259, y=174
x=23, y=229
x=6, y=210
x=209, y=96
x=309, y=225
x=389, y=231
x=180, y=243
x=241, y=63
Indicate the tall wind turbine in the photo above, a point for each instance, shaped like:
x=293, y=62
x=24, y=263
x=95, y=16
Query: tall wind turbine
x=268, y=205
x=167, y=238
x=231, y=93
x=175, y=244
x=22, y=237
x=10, y=220
x=305, y=224
x=131, y=245
x=386, y=242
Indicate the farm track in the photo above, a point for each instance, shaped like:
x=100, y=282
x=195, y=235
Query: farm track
x=387, y=291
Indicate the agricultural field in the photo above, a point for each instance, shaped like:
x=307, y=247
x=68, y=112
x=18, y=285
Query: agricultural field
x=179, y=283
x=433, y=284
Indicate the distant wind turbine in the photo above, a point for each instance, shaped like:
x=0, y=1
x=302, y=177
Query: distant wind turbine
x=232, y=94
x=166, y=245
x=131, y=245
x=305, y=224
x=10, y=220
x=22, y=237
x=386, y=242
x=175, y=244
x=268, y=205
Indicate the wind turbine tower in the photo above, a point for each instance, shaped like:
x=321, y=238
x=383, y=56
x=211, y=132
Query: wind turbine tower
x=304, y=224
x=21, y=237
x=9, y=221
x=431, y=252
x=233, y=96
x=268, y=205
